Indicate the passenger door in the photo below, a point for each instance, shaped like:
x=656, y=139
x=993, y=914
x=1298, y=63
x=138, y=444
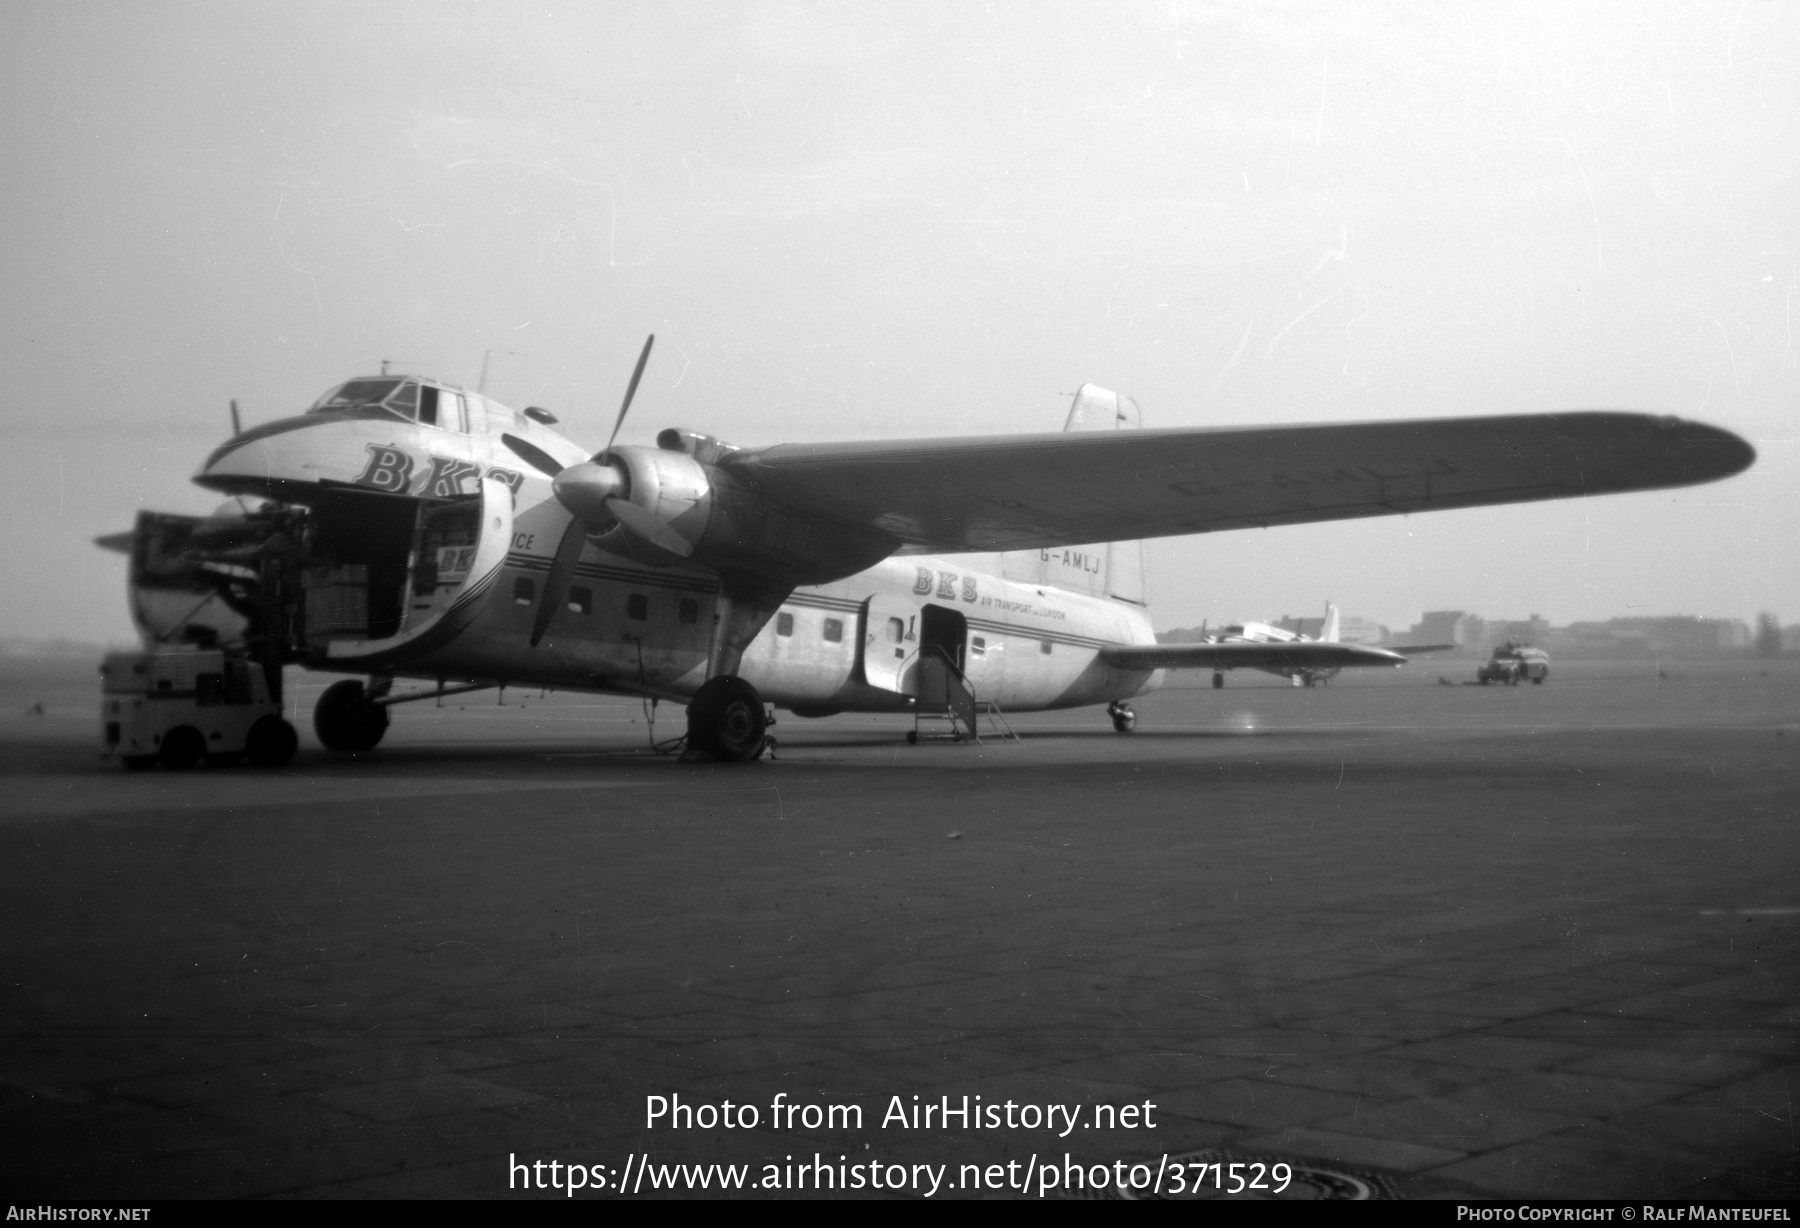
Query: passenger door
x=890, y=647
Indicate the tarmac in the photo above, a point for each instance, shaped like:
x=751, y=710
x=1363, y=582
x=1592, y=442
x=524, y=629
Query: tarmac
x=1408, y=939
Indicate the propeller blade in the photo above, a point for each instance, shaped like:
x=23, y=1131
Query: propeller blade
x=236, y=427
x=533, y=455
x=650, y=528
x=630, y=391
x=556, y=584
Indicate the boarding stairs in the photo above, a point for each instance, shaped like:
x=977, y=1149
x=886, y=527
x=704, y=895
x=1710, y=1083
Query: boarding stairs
x=946, y=705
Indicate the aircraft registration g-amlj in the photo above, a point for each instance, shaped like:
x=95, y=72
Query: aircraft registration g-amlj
x=415, y=529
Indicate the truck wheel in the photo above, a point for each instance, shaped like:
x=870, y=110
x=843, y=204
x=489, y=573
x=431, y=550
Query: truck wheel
x=345, y=720
x=182, y=748
x=138, y=763
x=271, y=743
x=726, y=719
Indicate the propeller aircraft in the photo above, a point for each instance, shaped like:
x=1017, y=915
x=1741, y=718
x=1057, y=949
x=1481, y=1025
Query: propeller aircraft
x=415, y=529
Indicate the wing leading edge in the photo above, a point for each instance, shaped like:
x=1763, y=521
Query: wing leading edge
x=1296, y=655
x=1013, y=492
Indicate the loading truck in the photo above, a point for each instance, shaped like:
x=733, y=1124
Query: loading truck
x=1515, y=662
x=178, y=704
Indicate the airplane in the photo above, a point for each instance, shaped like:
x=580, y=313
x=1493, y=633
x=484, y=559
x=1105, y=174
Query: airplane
x=1302, y=660
x=416, y=529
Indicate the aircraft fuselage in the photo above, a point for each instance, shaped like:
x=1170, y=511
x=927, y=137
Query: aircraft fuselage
x=429, y=547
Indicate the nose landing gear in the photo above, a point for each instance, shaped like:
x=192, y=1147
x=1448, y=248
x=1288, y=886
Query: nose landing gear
x=347, y=719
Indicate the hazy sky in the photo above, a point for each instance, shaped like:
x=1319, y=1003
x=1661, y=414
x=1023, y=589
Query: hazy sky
x=877, y=221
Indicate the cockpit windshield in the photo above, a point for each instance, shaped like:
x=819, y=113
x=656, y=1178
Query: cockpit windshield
x=399, y=396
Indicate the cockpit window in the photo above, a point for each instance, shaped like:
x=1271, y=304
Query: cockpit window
x=374, y=395
x=357, y=394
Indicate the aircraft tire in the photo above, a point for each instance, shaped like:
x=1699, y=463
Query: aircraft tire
x=1125, y=723
x=912, y=737
x=272, y=742
x=346, y=721
x=1218, y=681
x=182, y=748
x=726, y=719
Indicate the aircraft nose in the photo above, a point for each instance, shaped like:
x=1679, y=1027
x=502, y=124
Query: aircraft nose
x=272, y=454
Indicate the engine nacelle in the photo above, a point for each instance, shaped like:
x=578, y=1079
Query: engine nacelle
x=729, y=526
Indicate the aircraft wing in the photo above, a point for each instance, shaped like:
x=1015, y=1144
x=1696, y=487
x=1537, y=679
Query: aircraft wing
x=1414, y=650
x=1293, y=654
x=1012, y=492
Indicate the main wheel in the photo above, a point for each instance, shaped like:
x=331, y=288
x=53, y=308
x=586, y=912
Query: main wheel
x=726, y=719
x=182, y=748
x=1218, y=681
x=346, y=720
x=272, y=742
x=1124, y=722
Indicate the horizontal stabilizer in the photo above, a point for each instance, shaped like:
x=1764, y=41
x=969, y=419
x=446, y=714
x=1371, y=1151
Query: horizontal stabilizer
x=1289, y=655
x=118, y=542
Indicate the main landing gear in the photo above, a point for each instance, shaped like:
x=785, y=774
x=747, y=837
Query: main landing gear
x=1218, y=680
x=726, y=719
x=1123, y=718
x=348, y=719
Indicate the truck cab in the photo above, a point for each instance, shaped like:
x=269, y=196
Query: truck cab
x=177, y=705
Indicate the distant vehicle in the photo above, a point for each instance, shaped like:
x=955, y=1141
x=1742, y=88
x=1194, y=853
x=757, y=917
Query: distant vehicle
x=179, y=705
x=1514, y=662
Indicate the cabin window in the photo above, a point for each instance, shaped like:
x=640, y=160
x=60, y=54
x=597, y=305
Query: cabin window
x=978, y=646
x=637, y=607
x=784, y=624
x=524, y=591
x=1044, y=647
x=581, y=600
x=688, y=611
x=834, y=631
x=428, y=405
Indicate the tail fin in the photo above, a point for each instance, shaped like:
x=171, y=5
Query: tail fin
x=1113, y=570
x=1328, y=634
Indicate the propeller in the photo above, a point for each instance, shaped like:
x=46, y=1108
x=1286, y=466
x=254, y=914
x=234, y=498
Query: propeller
x=592, y=492
x=236, y=427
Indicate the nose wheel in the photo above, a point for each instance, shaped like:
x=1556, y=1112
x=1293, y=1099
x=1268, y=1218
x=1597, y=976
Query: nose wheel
x=347, y=718
x=1123, y=718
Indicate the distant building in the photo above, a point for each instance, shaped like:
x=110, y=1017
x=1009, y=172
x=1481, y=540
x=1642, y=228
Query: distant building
x=1681, y=635
x=1468, y=632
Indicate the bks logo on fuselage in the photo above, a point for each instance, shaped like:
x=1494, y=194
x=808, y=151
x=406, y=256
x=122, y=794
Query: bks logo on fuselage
x=390, y=470
x=945, y=584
